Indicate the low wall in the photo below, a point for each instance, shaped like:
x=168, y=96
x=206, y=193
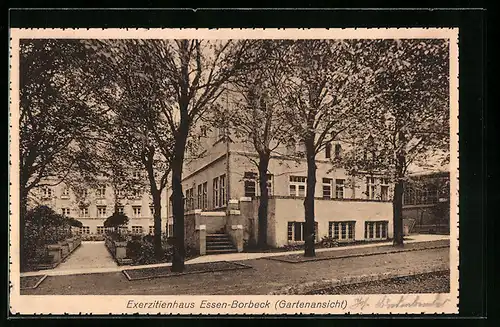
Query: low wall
x=197, y=224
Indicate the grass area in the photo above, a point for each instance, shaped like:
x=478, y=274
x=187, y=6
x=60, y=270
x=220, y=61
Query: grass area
x=198, y=268
x=354, y=252
x=436, y=282
x=31, y=282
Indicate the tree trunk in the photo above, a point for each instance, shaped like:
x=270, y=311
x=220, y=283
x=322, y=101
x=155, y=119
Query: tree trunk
x=157, y=224
x=309, y=232
x=178, y=213
x=397, y=207
x=264, y=200
x=22, y=227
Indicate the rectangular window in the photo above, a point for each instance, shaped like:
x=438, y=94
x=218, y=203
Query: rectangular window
x=101, y=211
x=339, y=188
x=170, y=230
x=123, y=229
x=296, y=231
x=327, y=188
x=328, y=151
x=47, y=192
x=338, y=150
x=85, y=230
x=85, y=193
x=65, y=193
x=298, y=186
x=101, y=192
x=100, y=230
x=137, y=174
x=66, y=211
x=151, y=229
x=205, y=196
x=137, y=211
x=376, y=230
x=84, y=212
x=222, y=189
x=120, y=193
x=121, y=209
x=250, y=184
x=269, y=184
x=199, y=197
x=216, y=197
x=137, y=229
x=370, y=187
x=341, y=230
x=409, y=196
x=384, y=193
x=152, y=211
x=189, y=200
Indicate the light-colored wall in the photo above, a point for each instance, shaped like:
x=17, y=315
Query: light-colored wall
x=57, y=202
x=240, y=162
x=286, y=210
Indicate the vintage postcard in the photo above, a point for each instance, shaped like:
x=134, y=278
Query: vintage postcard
x=234, y=171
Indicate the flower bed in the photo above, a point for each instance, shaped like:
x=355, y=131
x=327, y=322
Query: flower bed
x=47, y=239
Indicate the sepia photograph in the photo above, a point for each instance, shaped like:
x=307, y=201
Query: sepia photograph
x=234, y=171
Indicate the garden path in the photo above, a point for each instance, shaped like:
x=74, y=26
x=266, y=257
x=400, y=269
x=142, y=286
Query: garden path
x=88, y=255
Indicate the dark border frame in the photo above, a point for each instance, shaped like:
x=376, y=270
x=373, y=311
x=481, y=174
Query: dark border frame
x=472, y=25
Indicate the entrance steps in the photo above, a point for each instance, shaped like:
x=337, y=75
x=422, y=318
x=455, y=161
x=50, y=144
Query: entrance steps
x=219, y=243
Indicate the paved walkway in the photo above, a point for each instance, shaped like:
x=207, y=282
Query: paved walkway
x=264, y=276
x=89, y=255
x=98, y=247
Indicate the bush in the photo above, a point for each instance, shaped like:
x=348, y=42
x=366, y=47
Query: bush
x=43, y=226
x=142, y=253
x=92, y=237
x=328, y=242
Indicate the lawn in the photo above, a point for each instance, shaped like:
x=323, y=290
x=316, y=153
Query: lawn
x=436, y=282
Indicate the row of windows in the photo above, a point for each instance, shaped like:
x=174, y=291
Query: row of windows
x=294, y=148
x=250, y=182
x=298, y=188
x=340, y=230
x=199, y=200
x=48, y=192
x=135, y=229
x=102, y=211
x=420, y=196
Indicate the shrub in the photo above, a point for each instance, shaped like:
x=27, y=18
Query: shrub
x=92, y=237
x=116, y=220
x=43, y=226
x=328, y=242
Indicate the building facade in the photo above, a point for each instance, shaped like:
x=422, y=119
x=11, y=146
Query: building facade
x=92, y=206
x=426, y=202
x=347, y=208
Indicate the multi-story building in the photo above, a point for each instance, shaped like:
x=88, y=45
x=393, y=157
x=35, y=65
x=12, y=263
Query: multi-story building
x=92, y=206
x=347, y=208
x=426, y=202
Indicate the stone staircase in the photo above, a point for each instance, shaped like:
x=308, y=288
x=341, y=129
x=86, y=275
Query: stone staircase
x=218, y=243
